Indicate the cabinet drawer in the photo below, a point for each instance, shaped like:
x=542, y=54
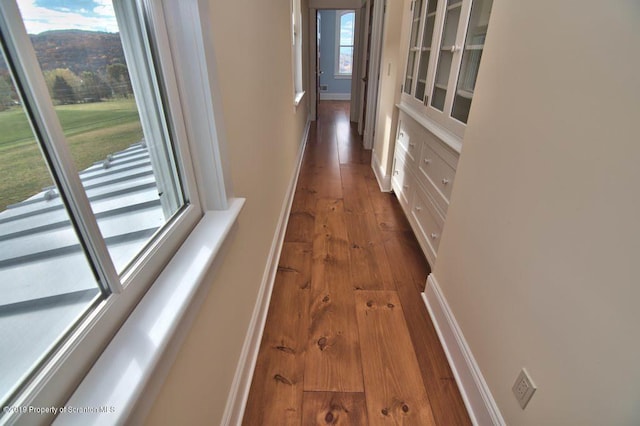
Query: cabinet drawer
x=401, y=181
x=403, y=135
x=439, y=172
x=408, y=146
x=427, y=218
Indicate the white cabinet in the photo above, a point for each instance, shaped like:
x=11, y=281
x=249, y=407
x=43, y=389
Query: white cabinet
x=424, y=169
x=446, y=41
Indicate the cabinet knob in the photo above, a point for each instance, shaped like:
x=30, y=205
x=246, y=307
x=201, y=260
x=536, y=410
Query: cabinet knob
x=455, y=48
x=402, y=134
x=412, y=145
x=434, y=236
x=405, y=186
x=445, y=181
x=418, y=208
x=427, y=160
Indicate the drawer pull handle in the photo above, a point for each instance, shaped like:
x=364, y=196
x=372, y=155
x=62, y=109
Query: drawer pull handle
x=418, y=208
x=427, y=160
x=412, y=145
x=445, y=181
x=405, y=186
x=395, y=172
x=434, y=236
x=402, y=134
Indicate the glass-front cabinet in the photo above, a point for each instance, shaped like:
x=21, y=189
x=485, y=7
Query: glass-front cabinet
x=445, y=48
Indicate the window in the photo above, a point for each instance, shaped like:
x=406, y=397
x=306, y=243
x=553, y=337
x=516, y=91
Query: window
x=296, y=50
x=345, y=24
x=445, y=47
x=97, y=187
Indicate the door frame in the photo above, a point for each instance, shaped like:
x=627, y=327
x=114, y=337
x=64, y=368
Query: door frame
x=377, y=31
x=374, y=62
x=313, y=63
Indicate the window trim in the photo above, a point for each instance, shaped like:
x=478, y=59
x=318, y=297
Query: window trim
x=296, y=51
x=336, y=71
x=86, y=343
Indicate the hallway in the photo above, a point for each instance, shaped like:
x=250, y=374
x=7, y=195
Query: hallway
x=348, y=339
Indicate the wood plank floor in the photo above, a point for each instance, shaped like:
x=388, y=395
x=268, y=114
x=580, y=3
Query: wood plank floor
x=348, y=340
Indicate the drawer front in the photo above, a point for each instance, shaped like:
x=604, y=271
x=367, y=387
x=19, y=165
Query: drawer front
x=407, y=141
x=429, y=221
x=403, y=135
x=437, y=170
x=401, y=181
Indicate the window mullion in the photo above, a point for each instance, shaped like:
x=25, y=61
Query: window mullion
x=143, y=79
x=416, y=65
x=414, y=71
x=457, y=57
x=53, y=143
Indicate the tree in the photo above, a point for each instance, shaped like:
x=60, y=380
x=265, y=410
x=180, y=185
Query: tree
x=92, y=87
x=62, y=91
x=6, y=94
x=119, y=79
x=70, y=79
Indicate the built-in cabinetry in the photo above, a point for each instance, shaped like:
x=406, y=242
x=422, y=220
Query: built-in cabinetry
x=423, y=172
x=445, y=43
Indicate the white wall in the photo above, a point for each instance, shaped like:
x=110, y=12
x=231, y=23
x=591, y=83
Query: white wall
x=252, y=42
x=539, y=257
x=392, y=66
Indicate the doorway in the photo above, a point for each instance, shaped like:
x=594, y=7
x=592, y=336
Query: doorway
x=346, y=40
x=336, y=48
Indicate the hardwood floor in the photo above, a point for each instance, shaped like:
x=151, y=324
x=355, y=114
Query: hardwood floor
x=348, y=340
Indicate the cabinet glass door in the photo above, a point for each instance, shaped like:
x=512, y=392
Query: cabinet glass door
x=447, y=49
x=425, y=51
x=414, y=47
x=474, y=44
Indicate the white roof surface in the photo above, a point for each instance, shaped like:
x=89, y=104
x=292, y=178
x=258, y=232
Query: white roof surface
x=45, y=280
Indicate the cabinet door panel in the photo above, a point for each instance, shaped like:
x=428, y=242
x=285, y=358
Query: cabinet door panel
x=473, y=47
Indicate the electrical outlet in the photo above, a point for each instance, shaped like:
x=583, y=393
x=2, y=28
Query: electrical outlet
x=523, y=388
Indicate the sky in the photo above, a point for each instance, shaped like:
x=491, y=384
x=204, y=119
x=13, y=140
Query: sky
x=346, y=28
x=46, y=15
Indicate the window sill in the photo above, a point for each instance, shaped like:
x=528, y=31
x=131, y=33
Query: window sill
x=298, y=98
x=342, y=76
x=123, y=374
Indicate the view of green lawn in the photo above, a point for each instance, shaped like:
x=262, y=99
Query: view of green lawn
x=92, y=130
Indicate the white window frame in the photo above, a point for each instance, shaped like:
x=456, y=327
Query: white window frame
x=199, y=144
x=336, y=72
x=296, y=51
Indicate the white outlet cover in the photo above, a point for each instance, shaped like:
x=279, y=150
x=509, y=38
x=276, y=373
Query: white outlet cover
x=523, y=388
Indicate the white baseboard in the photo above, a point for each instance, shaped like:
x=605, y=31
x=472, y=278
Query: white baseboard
x=237, y=399
x=384, y=181
x=477, y=397
x=327, y=96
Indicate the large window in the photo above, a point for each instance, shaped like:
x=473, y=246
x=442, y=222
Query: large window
x=95, y=182
x=345, y=27
x=445, y=47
